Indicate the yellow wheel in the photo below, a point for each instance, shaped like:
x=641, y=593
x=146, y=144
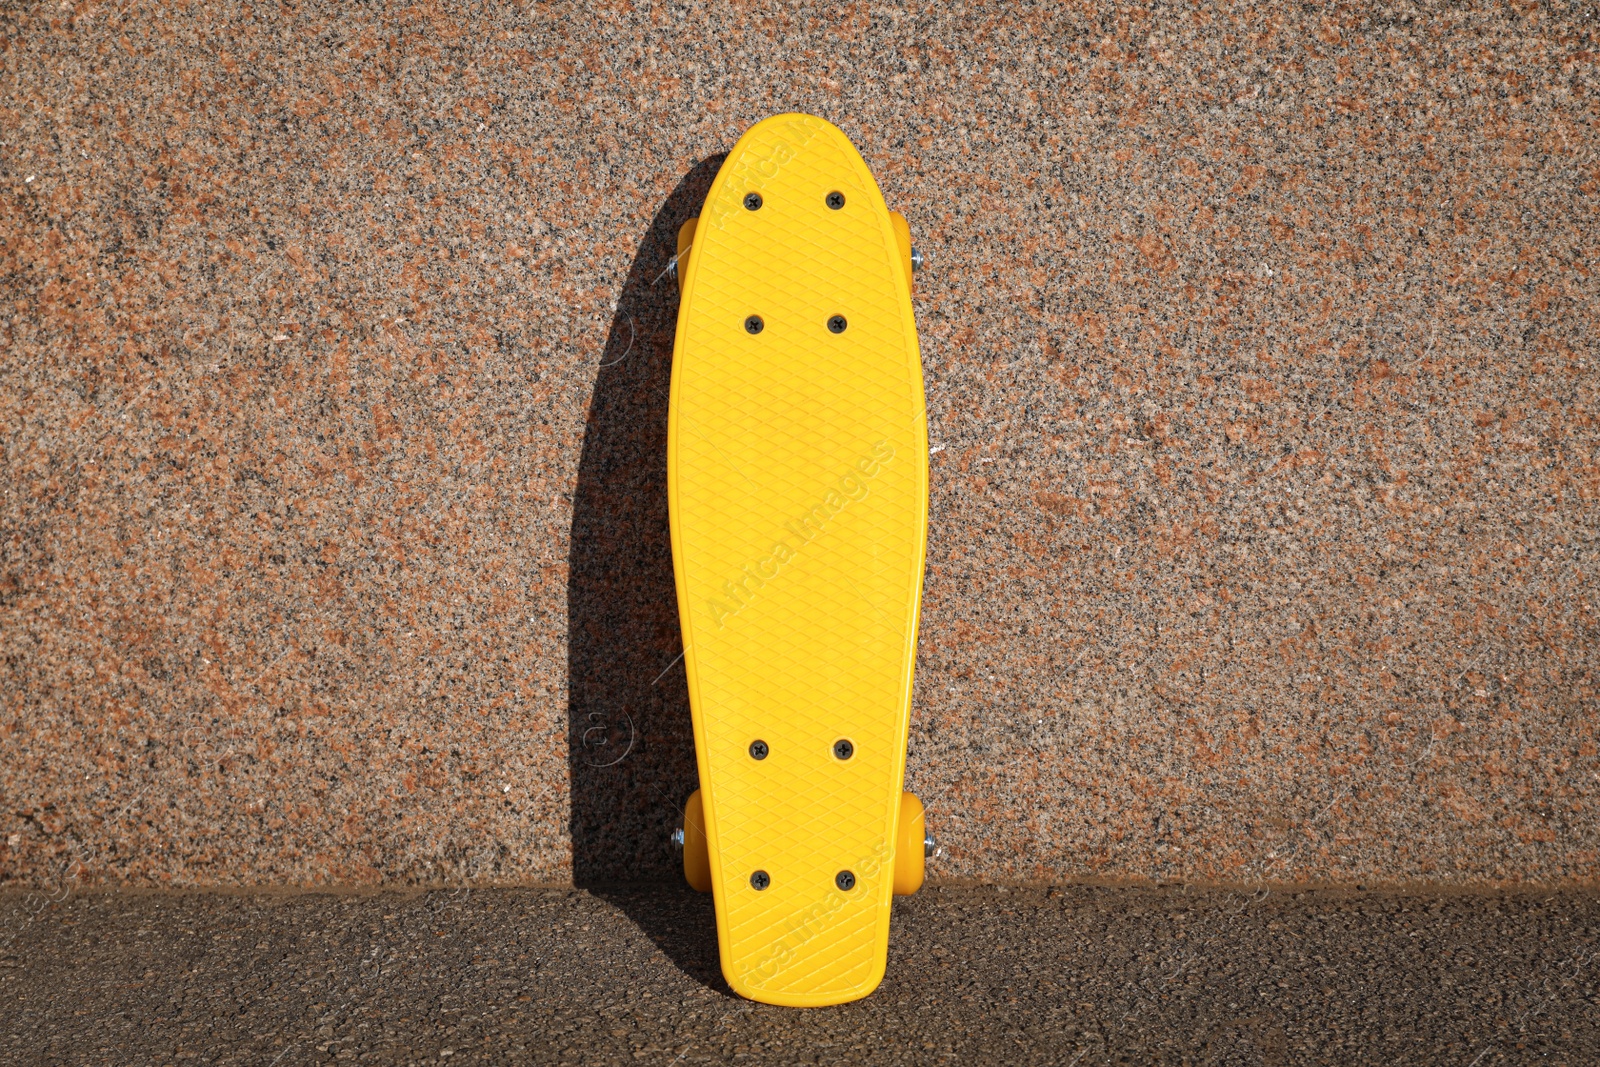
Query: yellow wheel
x=910, y=853
x=680, y=264
x=902, y=236
x=696, y=856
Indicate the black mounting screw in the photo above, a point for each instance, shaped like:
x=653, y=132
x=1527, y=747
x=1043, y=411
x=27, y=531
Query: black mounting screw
x=845, y=881
x=758, y=750
x=761, y=879
x=835, y=200
x=752, y=201
x=843, y=749
x=837, y=324
x=753, y=324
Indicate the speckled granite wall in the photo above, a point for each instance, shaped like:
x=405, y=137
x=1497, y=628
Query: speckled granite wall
x=1261, y=372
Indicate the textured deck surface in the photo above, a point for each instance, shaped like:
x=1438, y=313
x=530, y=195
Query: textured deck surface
x=798, y=489
x=1261, y=373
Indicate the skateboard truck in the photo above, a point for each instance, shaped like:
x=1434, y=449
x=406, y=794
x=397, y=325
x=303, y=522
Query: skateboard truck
x=671, y=270
x=929, y=845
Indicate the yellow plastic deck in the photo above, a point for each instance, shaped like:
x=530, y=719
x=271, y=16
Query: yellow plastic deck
x=797, y=467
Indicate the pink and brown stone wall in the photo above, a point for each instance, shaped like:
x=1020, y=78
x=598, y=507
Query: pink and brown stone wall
x=1262, y=381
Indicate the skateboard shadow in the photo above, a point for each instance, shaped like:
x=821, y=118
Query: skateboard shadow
x=630, y=741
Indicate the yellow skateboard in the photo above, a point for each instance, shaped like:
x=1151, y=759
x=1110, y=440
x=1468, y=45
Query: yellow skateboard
x=797, y=481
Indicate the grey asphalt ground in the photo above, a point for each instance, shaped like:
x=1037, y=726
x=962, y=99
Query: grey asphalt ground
x=1081, y=975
